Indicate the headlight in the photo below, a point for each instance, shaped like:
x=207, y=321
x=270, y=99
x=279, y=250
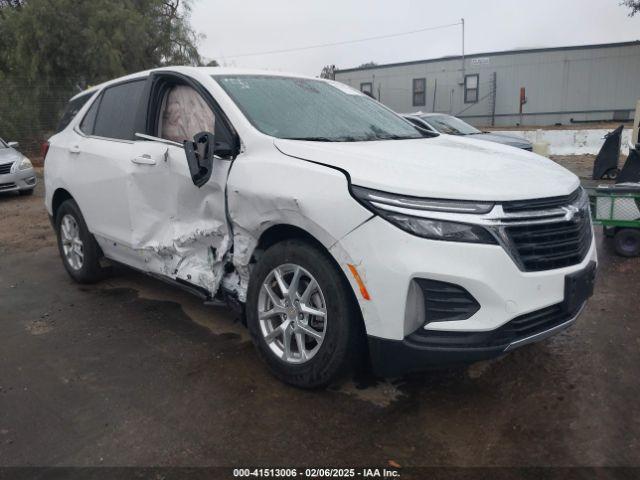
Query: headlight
x=434, y=229
x=440, y=230
x=25, y=164
x=374, y=197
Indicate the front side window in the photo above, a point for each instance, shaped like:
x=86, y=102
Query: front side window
x=116, y=115
x=307, y=109
x=471, y=88
x=419, y=92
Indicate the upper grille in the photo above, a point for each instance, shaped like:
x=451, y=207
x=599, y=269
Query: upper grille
x=446, y=301
x=540, y=203
x=545, y=246
x=5, y=168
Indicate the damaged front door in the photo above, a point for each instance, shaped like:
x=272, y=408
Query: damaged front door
x=180, y=229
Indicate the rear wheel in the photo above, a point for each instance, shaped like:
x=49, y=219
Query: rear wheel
x=78, y=248
x=301, y=315
x=627, y=241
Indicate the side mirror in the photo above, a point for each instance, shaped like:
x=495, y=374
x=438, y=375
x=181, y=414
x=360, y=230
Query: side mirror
x=13, y=144
x=224, y=150
x=200, y=157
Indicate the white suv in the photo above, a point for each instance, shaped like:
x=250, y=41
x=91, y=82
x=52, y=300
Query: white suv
x=338, y=227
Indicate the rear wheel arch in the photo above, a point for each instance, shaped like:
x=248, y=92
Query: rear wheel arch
x=59, y=197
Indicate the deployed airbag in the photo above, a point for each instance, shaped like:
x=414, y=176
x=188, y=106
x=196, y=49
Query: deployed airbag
x=184, y=114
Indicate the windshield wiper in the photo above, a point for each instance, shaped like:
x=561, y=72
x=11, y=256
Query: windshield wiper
x=395, y=137
x=311, y=139
x=324, y=139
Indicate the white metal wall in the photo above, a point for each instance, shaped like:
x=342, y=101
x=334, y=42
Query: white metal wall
x=583, y=83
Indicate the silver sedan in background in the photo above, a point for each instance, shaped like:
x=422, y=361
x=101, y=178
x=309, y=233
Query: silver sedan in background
x=16, y=171
x=443, y=123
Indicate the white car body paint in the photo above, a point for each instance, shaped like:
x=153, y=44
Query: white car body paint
x=151, y=216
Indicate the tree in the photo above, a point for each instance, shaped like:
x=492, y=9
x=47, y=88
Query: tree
x=368, y=64
x=634, y=5
x=52, y=50
x=329, y=72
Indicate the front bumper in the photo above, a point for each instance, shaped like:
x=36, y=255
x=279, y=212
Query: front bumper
x=20, y=180
x=389, y=261
x=422, y=349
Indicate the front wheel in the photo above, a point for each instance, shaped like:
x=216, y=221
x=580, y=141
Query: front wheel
x=302, y=316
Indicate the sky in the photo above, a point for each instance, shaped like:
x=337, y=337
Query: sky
x=241, y=27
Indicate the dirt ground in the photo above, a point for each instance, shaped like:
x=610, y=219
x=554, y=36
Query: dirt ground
x=24, y=224
x=131, y=372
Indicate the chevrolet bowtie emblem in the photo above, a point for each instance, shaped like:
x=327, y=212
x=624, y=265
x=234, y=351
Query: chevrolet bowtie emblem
x=570, y=212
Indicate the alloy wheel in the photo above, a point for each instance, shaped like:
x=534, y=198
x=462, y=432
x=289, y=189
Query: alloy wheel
x=292, y=313
x=72, y=246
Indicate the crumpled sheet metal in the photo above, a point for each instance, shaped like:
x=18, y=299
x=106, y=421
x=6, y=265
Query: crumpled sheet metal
x=197, y=258
x=181, y=240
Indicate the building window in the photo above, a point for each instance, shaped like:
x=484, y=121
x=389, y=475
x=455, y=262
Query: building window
x=367, y=88
x=471, y=88
x=419, y=92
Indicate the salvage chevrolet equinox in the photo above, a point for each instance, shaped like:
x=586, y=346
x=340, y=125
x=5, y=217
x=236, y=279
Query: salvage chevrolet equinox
x=339, y=230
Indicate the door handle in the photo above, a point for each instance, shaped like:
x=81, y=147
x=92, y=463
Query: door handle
x=75, y=149
x=144, y=160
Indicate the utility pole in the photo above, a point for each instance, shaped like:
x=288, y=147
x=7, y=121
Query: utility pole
x=462, y=20
x=494, y=93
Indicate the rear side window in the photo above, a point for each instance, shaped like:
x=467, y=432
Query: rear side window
x=73, y=107
x=116, y=113
x=89, y=120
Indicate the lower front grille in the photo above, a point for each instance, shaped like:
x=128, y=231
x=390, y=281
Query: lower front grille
x=7, y=186
x=445, y=301
x=547, y=246
x=5, y=168
x=517, y=329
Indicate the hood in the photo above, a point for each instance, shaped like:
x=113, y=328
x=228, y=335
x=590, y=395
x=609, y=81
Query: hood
x=440, y=167
x=9, y=155
x=511, y=140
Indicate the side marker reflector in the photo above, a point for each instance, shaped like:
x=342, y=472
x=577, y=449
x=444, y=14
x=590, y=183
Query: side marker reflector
x=356, y=275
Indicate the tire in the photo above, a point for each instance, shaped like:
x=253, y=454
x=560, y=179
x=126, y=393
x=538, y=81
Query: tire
x=611, y=174
x=341, y=347
x=25, y=192
x=87, y=270
x=627, y=242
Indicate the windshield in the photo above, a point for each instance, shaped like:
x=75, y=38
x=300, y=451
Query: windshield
x=450, y=125
x=306, y=109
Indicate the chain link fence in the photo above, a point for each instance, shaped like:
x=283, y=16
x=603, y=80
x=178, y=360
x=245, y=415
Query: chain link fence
x=30, y=112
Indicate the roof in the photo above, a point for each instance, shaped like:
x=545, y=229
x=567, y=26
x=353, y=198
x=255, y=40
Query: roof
x=493, y=54
x=200, y=70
